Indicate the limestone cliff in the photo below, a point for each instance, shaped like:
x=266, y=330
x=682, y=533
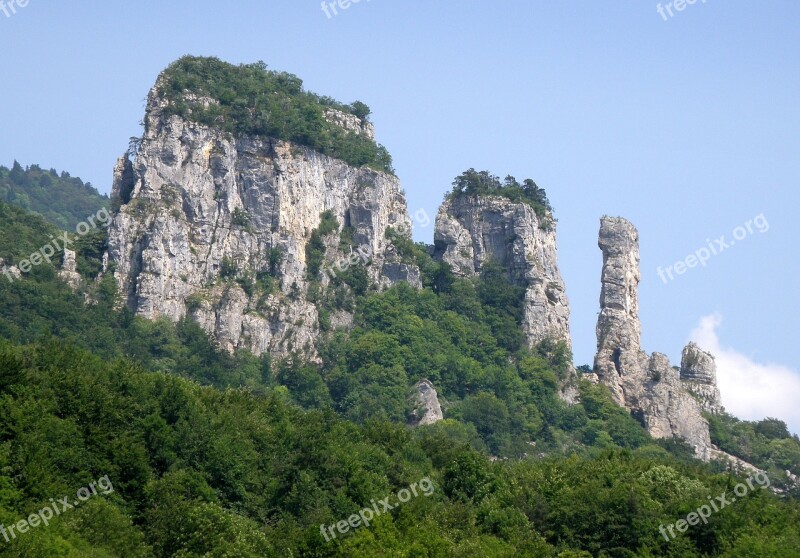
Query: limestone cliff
x=472, y=230
x=620, y=362
x=427, y=409
x=216, y=226
x=699, y=375
x=69, y=269
x=648, y=387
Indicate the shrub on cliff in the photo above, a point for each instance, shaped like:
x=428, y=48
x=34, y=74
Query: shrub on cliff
x=483, y=183
x=250, y=100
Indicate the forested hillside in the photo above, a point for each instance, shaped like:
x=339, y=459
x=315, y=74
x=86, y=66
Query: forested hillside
x=212, y=454
x=61, y=199
x=203, y=472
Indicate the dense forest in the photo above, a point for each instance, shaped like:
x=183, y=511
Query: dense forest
x=250, y=100
x=199, y=471
x=214, y=454
x=60, y=198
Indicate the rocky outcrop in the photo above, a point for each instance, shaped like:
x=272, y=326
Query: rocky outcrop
x=667, y=410
x=654, y=392
x=734, y=463
x=473, y=230
x=427, y=409
x=69, y=270
x=620, y=363
x=11, y=272
x=216, y=227
x=699, y=375
x=350, y=122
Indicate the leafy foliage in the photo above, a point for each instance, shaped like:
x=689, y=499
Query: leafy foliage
x=253, y=461
x=767, y=444
x=482, y=183
x=315, y=249
x=40, y=306
x=62, y=200
x=22, y=233
x=250, y=100
x=202, y=472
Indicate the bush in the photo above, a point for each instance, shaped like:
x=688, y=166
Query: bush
x=251, y=100
x=474, y=183
x=315, y=249
x=228, y=268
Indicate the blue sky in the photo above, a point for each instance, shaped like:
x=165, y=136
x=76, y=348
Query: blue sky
x=687, y=127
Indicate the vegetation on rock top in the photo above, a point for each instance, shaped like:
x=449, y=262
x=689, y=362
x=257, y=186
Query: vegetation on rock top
x=474, y=183
x=251, y=100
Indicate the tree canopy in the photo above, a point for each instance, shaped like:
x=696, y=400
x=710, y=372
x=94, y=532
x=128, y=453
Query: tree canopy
x=483, y=183
x=218, y=454
x=249, y=99
x=61, y=199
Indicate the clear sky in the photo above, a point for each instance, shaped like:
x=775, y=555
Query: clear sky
x=688, y=126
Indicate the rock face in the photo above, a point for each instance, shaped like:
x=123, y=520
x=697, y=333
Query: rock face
x=350, y=122
x=656, y=394
x=668, y=410
x=472, y=230
x=206, y=220
x=699, y=375
x=69, y=270
x=620, y=362
x=427, y=410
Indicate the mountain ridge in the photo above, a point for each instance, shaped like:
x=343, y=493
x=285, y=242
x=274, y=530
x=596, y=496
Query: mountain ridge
x=259, y=346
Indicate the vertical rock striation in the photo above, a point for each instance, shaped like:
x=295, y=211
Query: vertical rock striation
x=473, y=230
x=699, y=375
x=620, y=363
x=206, y=219
x=660, y=397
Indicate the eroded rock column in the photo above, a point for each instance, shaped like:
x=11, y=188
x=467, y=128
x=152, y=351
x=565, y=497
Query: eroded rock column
x=654, y=392
x=620, y=363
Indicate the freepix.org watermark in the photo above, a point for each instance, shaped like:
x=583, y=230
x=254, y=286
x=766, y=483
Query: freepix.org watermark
x=9, y=7
x=678, y=5
x=715, y=248
x=714, y=505
x=101, y=219
x=363, y=254
x=331, y=8
x=57, y=507
x=368, y=514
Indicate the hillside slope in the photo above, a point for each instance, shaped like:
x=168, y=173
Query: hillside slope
x=61, y=199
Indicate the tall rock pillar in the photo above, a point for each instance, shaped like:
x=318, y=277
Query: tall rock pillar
x=620, y=363
x=653, y=391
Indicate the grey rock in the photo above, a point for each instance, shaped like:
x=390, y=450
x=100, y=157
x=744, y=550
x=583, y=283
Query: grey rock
x=473, y=230
x=699, y=375
x=648, y=387
x=201, y=211
x=394, y=272
x=350, y=122
x=427, y=409
x=123, y=182
x=11, y=272
x=734, y=463
x=620, y=363
x=669, y=411
x=69, y=270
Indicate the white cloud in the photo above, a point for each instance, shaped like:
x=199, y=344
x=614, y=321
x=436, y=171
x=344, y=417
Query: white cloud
x=750, y=390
